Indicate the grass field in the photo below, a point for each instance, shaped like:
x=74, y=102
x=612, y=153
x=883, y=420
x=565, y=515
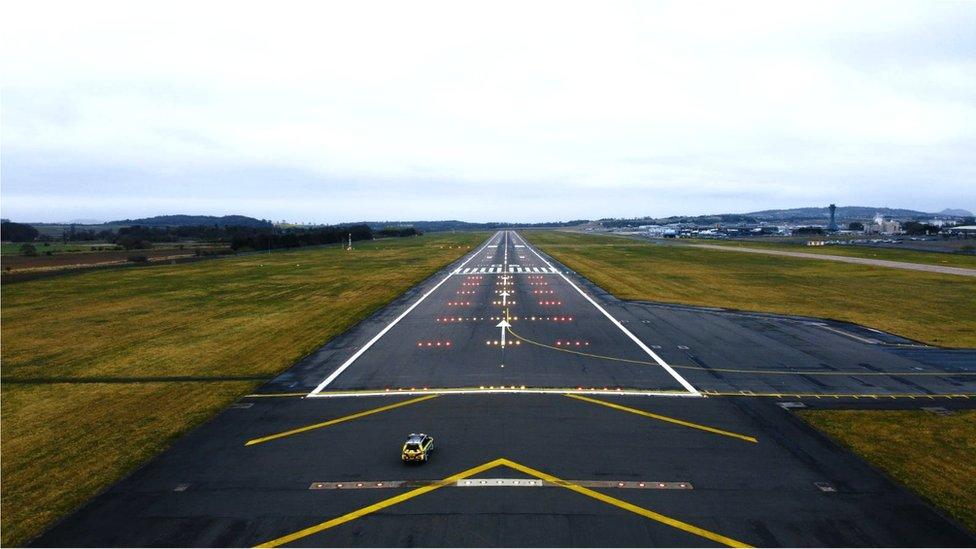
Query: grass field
x=933, y=455
x=929, y=307
x=247, y=316
x=13, y=248
x=888, y=254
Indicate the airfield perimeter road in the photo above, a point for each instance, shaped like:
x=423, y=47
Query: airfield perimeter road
x=597, y=423
x=962, y=271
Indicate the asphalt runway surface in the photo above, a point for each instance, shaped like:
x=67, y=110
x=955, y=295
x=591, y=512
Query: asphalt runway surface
x=599, y=423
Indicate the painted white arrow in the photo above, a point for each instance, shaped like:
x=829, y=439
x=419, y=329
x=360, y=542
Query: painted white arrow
x=504, y=298
x=503, y=324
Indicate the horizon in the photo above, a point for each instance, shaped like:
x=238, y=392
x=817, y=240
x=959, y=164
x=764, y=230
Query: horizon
x=84, y=221
x=441, y=111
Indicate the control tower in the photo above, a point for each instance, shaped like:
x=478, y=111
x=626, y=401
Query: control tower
x=833, y=222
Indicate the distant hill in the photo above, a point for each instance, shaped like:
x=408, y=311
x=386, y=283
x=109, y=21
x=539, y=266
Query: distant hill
x=194, y=221
x=844, y=214
x=957, y=212
x=851, y=212
x=455, y=225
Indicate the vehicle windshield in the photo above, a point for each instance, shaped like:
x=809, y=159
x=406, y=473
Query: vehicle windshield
x=413, y=446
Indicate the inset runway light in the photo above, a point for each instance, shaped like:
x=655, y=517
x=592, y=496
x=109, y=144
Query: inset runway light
x=435, y=344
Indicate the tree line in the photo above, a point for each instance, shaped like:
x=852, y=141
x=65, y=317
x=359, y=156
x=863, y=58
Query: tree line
x=239, y=238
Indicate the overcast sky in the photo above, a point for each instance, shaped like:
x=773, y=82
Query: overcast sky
x=523, y=111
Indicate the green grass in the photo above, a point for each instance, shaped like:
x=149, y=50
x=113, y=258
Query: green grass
x=933, y=455
x=909, y=256
x=246, y=316
x=930, y=307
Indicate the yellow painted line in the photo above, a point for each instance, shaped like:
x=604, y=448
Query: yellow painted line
x=338, y=420
x=381, y=505
x=274, y=395
x=847, y=395
x=518, y=467
x=737, y=370
x=663, y=519
x=664, y=418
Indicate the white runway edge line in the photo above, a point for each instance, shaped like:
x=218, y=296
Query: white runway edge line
x=684, y=383
x=325, y=383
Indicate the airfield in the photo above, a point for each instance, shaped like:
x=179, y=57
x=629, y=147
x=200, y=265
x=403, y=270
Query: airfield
x=562, y=417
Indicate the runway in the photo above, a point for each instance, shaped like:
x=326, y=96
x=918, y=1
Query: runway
x=596, y=423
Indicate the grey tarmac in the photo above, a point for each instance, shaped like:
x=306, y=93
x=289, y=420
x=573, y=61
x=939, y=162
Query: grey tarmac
x=613, y=407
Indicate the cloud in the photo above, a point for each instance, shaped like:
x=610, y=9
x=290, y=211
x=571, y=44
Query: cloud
x=496, y=111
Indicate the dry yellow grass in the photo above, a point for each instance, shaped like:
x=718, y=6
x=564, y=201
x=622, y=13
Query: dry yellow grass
x=933, y=455
x=62, y=443
x=247, y=316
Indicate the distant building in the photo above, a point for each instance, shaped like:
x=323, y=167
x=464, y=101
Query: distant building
x=968, y=231
x=880, y=226
x=833, y=218
x=660, y=231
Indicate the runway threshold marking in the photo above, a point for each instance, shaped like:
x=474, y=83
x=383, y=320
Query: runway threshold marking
x=665, y=418
x=453, y=479
x=504, y=389
x=389, y=326
x=736, y=370
x=343, y=419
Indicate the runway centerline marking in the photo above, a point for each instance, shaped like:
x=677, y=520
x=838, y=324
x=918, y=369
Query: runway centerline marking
x=684, y=383
x=389, y=326
x=665, y=418
x=338, y=420
x=453, y=479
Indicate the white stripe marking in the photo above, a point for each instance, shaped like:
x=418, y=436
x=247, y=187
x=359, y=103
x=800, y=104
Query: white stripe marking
x=684, y=383
x=376, y=338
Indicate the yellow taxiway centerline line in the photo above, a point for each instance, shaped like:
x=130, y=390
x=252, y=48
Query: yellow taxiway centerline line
x=736, y=370
x=379, y=506
x=674, y=523
x=664, y=418
x=338, y=420
x=855, y=396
